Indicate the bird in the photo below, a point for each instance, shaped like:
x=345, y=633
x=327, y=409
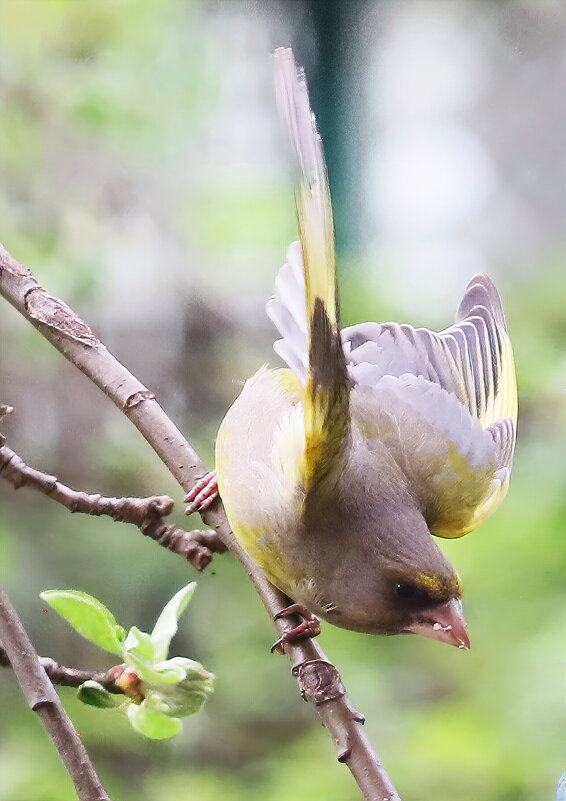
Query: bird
x=338, y=471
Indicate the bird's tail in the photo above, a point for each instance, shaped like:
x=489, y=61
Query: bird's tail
x=326, y=394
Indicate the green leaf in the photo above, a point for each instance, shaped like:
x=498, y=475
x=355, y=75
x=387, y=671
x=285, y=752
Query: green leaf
x=184, y=697
x=160, y=673
x=178, y=700
x=139, y=654
x=152, y=723
x=88, y=616
x=169, y=673
x=166, y=625
x=194, y=671
x=94, y=694
x=140, y=643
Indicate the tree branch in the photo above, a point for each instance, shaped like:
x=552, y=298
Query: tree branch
x=71, y=677
x=43, y=699
x=197, y=547
x=318, y=679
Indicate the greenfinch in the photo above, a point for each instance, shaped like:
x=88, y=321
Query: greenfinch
x=336, y=471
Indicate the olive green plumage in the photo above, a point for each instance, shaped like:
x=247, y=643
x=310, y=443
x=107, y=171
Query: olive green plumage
x=335, y=471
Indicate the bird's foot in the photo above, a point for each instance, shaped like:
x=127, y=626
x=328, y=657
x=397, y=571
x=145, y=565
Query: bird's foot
x=203, y=493
x=310, y=627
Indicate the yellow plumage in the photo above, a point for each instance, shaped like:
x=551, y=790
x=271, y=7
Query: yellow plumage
x=325, y=398
x=335, y=473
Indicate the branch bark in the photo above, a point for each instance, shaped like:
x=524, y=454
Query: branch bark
x=318, y=679
x=65, y=676
x=197, y=547
x=43, y=699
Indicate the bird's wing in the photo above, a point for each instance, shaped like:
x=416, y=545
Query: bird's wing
x=455, y=468
x=326, y=390
x=466, y=388
x=472, y=361
x=287, y=309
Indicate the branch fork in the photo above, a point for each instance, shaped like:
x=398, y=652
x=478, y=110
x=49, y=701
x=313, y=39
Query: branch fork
x=42, y=699
x=73, y=338
x=197, y=547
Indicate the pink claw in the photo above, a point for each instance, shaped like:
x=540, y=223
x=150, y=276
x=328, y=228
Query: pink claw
x=203, y=493
x=309, y=627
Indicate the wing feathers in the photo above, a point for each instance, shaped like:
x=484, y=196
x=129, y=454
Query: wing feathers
x=287, y=310
x=472, y=360
x=486, y=362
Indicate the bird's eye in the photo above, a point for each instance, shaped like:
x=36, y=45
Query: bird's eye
x=405, y=590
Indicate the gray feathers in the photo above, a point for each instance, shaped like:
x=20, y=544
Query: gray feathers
x=460, y=380
x=287, y=310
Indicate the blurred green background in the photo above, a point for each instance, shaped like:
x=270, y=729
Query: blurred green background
x=143, y=177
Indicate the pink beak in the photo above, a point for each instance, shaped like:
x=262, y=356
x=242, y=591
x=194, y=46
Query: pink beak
x=445, y=623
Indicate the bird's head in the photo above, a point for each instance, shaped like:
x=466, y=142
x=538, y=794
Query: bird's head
x=417, y=586
x=397, y=599
x=428, y=604
x=396, y=581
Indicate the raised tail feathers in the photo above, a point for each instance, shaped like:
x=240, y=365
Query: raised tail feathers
x=326, y=394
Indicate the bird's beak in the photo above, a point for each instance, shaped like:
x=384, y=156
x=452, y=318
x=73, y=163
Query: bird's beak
x=445, y=623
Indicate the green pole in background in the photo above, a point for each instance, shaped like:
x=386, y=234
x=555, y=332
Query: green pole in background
x=335, y=80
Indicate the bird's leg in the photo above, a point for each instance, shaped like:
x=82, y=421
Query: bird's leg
x=203, y=493
x=310, y=627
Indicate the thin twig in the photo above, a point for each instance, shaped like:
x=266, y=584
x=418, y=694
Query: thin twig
x=147, y=514
x=318, y=679
x=43, y=699
x=71, y=677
